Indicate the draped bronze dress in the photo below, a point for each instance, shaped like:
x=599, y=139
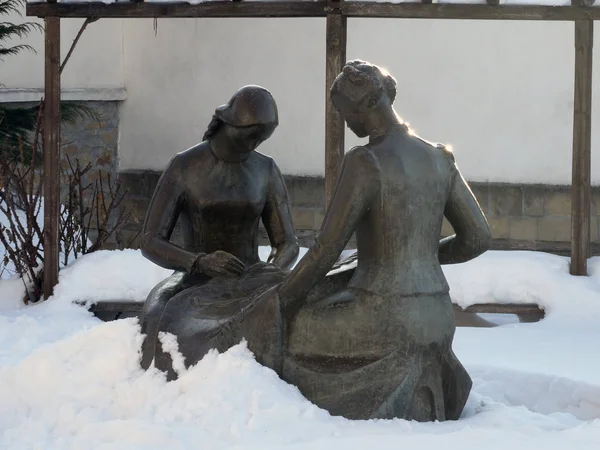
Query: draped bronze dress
x=373, y=338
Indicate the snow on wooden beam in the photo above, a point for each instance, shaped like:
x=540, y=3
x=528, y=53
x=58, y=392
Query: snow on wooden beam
x=526, y=312
x=173, y=9
x=299, y=8
x=469, y=11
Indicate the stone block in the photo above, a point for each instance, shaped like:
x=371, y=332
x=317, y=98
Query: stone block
x=71, y=149
x=523, y=228
x=304, y=218
x=306, y=191
x=554, y=229
x=127, y=238
x=594, y=232
x=319, y=216
x=595, y=201
x=137, y=207
x=109, y=137
x=499, y=227
x=83, y=158
x=533, y=201
x=505, y=201
x=140, y=182
x=94, y=175
x=447, y=229
x=557, y=203
x=481, y=192
x=95, y=125
x=105, y=158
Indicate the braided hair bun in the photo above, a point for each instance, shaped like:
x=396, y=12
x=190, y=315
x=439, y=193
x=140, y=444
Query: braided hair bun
x=360, y=81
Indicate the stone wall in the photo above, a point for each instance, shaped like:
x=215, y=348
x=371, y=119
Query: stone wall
x=532, y=217
x=93, y=139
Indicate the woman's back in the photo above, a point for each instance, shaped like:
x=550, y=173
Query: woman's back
x=398, y=236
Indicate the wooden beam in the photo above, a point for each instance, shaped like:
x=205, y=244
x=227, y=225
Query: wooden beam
x=305, y=8
x=51, y=153
x=468, y=11
x=500, y=308
x=290, y=8
x=529, y=312
x=116, y=306
x=336, y=32
x=582, y=139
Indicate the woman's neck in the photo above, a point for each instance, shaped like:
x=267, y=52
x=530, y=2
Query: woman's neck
x=386, y=125
x=224, y=150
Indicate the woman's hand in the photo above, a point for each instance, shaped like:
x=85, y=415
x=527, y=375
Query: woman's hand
x=262, y=266
x=217, y=264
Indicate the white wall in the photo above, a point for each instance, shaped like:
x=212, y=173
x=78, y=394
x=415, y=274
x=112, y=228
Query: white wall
x=176, y=80
x=96, y=62
x=499, y=92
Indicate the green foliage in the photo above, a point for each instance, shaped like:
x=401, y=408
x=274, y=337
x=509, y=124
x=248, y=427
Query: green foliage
x=18, y=142
x=17, y=139
x=10, y=31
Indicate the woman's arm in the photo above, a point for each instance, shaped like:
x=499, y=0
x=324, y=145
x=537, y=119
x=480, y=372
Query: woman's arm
x=277, y=219
x=473, y=235
x=161, y=218
x=357, y=184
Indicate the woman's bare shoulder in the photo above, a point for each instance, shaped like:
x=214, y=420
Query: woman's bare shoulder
x=197, y=151
x=443, y=149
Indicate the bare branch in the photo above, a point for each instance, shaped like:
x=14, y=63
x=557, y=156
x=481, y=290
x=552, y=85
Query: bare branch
x=76, y=40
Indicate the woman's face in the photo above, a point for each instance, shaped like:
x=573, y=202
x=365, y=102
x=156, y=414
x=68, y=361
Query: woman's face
x=247, y=139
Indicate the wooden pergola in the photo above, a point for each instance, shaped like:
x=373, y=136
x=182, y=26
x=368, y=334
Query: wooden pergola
x=336, y=13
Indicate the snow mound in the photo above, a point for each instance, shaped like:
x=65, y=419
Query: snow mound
x=69, y=381
x=494, y=277
x=540, y=393
x=109, y=275
x=526, y=277
x=85, y=390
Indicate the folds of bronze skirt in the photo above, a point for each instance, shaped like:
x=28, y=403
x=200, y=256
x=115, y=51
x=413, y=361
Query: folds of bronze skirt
x=354, y=353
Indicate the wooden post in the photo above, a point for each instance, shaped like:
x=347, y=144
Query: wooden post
x=51, y=153
x=334, y=124
x=582, y=137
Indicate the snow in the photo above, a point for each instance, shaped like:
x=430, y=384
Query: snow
x=197, y=2
x=116, y=275
x=7, y=271
x=70, y=381
x=109, y=275
x=495, y=277
x=483, y=2
x=12, y=292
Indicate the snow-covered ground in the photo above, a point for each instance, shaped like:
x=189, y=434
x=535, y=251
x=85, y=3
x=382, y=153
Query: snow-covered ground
x=70, y=381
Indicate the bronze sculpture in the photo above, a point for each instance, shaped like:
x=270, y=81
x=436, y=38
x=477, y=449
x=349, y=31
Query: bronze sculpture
x=219, y=190
x=372, y=338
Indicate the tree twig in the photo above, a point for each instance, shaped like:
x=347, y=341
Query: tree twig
x=81, y=30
